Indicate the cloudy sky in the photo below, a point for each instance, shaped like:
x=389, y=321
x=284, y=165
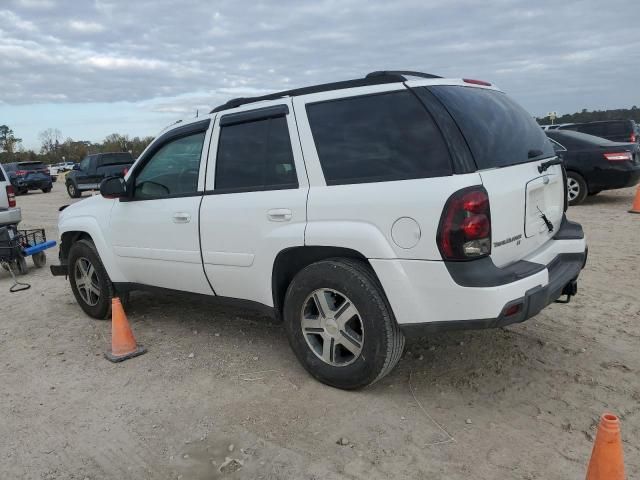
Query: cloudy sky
x=93, y=67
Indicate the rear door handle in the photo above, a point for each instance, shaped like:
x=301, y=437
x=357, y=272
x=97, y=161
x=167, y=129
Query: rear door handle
x=279, y=215
x=181, y=217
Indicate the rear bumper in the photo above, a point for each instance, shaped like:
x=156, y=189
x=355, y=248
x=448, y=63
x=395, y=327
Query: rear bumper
x=611, y=179
x=10, y=216
x=429, y=296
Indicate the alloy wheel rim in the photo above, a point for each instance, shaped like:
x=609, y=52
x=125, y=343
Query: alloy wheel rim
x=573, y=188
x=332, y=327
x=72, y=189
x=87, y=282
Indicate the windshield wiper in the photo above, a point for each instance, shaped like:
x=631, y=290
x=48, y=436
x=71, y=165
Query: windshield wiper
x=544, y=165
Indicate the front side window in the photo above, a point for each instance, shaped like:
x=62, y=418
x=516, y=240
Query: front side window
x=255, y=155
x=172, y=171
x=375, y=138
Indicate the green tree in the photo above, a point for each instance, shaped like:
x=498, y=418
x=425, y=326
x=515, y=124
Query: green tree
x=8, y=141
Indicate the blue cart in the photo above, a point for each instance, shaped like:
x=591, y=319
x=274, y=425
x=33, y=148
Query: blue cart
x=16, y=245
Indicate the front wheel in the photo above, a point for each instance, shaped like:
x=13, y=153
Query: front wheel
x=89, y=280
x=340, y=325
x=73, y=191
x=576, y=188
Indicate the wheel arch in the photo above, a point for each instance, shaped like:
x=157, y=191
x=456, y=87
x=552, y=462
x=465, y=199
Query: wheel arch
x=83, y=227
x=292, y=260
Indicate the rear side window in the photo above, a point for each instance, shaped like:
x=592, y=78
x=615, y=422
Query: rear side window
x=255, y=156
x=498, y=130
x=377, y=138
x=115, y=159
x=2, y=178
x=619, y=128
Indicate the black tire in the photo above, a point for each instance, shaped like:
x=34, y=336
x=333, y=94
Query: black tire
x=381, y=340
x=46, y=190
x=39, y=259
x=72, y=190
x=21, y=263
x=96, y=306
x=24, y=191
x=577, y=188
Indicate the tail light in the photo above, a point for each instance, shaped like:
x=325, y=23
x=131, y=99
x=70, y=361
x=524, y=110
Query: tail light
x=21, y=173
x=125, y=171
x=11, y=196
x=633, y=138
x=618, y=156
x=464, y=232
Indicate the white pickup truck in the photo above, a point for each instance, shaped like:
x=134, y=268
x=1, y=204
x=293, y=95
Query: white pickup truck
x=358, y=212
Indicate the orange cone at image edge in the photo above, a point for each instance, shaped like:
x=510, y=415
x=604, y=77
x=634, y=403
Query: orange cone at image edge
x=123, y=343
x=607, y=462
x=635, y=208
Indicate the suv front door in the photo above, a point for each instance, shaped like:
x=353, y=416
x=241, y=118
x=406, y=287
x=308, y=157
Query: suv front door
x=255, y=201
x=154, y=231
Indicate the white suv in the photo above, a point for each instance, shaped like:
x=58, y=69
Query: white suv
x=9, y=213
x=359, y=212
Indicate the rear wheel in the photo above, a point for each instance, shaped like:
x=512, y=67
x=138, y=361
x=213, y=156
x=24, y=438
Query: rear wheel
x=73, y=191
x=46, y=190
x=340, y=325
x=576, y=188
x=39, y=259
x=89, y=280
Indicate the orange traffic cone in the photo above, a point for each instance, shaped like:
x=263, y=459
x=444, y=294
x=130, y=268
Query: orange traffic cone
x=606, y=458
x=123, y=343
x=635, y=208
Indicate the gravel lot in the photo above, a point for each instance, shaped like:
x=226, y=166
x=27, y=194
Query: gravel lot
x=520, y=402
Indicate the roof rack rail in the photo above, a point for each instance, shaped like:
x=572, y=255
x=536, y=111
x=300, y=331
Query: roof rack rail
x=403, y=73
x=373, y=78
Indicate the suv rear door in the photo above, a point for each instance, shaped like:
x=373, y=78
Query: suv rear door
x=508, y=146
x=255, y=200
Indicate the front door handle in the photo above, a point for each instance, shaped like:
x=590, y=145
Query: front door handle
x=279, y=215
x=181, y=217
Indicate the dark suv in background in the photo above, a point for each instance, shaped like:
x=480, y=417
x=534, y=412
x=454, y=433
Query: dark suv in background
x=88, y=174
x=614, y=130
x=25, y=176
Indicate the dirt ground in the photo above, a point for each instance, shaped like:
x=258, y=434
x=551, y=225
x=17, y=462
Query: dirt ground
x=220, y=394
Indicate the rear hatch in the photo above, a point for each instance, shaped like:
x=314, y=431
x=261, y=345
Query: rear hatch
x=33, y=172
x=509, y=147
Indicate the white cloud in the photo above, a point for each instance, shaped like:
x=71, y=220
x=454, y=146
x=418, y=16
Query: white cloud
x=36, y=3
x=10, y=19
x=86, y=27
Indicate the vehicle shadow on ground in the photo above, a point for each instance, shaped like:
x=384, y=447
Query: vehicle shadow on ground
x=606, y=199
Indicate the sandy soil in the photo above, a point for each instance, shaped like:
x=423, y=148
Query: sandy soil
x=520, y=402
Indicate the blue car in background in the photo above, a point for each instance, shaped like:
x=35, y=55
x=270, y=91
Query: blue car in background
x=25, y=176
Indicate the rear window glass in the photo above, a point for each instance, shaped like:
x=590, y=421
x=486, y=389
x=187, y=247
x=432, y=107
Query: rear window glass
x=577, y=140
x=498, y=130
x=115, y=158
x=376, y=138
x=31, y=165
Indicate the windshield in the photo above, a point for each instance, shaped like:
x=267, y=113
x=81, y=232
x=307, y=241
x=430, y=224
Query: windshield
x=498, y=130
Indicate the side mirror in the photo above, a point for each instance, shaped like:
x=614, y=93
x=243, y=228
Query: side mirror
x=75, y=167
x=113, y=187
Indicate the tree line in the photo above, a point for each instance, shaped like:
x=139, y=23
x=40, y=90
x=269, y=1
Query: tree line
x=54, y=148
x=585, y=115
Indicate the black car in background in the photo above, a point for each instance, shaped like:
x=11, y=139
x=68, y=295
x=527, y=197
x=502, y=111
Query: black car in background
x=25, y=176
x=594, y=164
x=88, y=174
x=614, y=130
